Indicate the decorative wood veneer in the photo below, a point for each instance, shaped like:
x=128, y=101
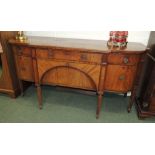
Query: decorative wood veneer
x=119, y=79
x=77, y=63
x=64, y=74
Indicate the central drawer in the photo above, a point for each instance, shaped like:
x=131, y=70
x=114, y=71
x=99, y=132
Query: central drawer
x=69, y=55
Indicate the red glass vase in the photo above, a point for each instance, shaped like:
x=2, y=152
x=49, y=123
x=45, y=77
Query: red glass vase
x=118, y=38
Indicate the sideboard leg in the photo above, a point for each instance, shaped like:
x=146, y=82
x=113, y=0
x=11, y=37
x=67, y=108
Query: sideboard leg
x=39, y=93
x=132, y=99
x=125, y=95
x=21, y=87
x=99, y=104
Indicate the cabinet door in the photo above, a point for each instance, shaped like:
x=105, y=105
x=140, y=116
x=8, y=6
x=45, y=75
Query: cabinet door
x=120, y=78
x=25, y=68
x=70, y=74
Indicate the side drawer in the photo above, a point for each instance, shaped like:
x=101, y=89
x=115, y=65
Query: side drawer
x=123, y=59
x=25, y=68
x=69, y=55
x=25, y=51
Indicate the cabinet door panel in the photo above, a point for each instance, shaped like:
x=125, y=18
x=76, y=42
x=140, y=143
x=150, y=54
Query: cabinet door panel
x=76, y=75
x=86, y=76
x=120, y=78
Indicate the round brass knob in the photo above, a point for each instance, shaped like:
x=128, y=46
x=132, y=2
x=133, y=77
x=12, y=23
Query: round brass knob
x=122, y=77
x=50, y=54
x=83, y=57
x=125, y=60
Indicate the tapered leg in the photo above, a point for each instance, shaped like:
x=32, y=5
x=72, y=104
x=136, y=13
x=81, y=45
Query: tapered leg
x=39, y=93
x=125, y=95
x=99, y=104
x=21, y=87
x=132, y=99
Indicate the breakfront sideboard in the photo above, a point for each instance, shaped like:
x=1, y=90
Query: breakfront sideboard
x=81, y=64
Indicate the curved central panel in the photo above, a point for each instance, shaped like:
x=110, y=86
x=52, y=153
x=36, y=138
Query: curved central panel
x=75, y=75
x=67, y=76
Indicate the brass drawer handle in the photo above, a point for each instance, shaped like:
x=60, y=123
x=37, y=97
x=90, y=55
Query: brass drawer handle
x=83, y=57
x=67, y=64
x=67, y=53
x=122, y=77
x=125, y=60
x=50, y=54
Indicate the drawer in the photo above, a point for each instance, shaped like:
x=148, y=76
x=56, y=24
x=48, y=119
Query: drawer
x=91, y=57
x=56, y=54
x=68, y=55
x=25, y=68
x=120, y=78
x=25, y=51
x=123, y=59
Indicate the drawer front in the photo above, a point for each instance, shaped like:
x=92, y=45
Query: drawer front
x=123, y=59
x=68, y=55
x=25, y=68
x=90, y=57
x=56, y=54
x=25, y=51
x=120, y=78
x=70, y=74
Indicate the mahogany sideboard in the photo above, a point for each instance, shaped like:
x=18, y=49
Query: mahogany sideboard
x=78, y=63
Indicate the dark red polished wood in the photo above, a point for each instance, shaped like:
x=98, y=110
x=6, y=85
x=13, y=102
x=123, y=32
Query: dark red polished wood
x=78, y=63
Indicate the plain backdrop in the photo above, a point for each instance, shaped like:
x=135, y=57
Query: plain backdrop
x=134, y=36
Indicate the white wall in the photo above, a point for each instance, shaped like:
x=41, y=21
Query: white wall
x=134, y=36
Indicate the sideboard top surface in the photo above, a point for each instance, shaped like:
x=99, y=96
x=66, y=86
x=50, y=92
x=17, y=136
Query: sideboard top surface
x=81, y=44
